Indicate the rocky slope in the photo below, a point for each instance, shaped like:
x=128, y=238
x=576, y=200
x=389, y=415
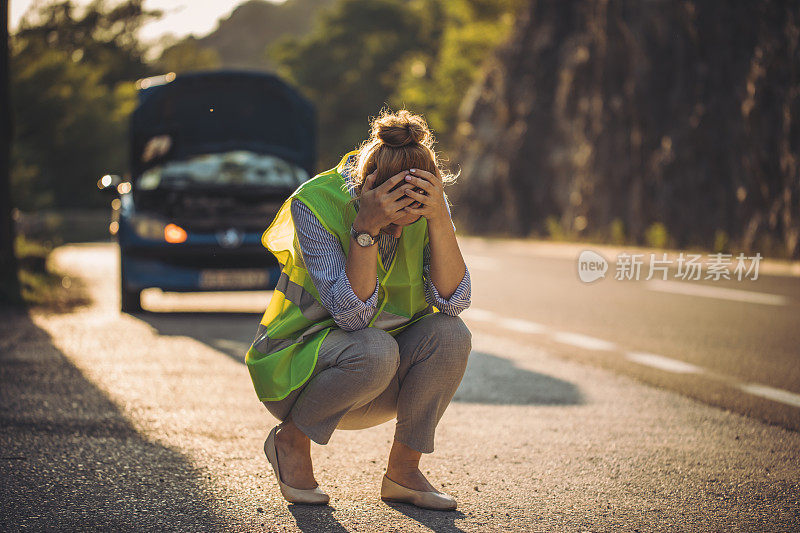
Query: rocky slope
x=609, y=116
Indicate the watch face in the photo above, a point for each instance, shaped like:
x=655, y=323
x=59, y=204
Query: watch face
x=364, y=239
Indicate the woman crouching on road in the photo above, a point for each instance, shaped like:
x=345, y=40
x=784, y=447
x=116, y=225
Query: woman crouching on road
x=350, y=338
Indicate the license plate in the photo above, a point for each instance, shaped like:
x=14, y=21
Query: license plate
x=234, y=279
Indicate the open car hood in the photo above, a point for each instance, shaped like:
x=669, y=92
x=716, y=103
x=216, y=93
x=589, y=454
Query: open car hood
x=221, y=111
x=208, y=210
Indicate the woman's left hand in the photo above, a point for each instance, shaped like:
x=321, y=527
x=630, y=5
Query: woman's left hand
x=433, y=203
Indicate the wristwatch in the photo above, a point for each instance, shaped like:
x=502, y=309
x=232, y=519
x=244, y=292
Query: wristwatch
x=363, y=239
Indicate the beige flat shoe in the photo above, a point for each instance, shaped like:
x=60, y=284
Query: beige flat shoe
x=394, y=492
x=313, y=496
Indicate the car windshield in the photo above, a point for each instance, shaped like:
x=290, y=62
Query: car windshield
x=239, y=168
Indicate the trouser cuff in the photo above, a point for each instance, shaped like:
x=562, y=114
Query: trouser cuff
x=421, y=443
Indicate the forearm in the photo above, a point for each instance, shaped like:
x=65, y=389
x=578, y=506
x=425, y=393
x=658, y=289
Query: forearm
x=458, y=301
x=447, y=264
x=348, y=311
x=325, y=262
x=362, y=269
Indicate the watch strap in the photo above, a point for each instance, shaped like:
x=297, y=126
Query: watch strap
x=355, y=235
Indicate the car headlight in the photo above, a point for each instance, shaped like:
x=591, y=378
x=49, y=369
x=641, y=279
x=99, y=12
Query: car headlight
x=149, y=228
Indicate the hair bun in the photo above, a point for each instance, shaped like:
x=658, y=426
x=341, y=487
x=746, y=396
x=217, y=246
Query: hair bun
x=401, y=129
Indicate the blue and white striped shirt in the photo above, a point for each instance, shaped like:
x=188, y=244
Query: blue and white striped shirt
x=325, y=262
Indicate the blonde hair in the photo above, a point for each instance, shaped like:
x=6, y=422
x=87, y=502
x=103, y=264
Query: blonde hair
x=398, y=141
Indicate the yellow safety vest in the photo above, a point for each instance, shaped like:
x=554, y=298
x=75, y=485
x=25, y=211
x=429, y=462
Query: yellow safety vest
x=284, y=352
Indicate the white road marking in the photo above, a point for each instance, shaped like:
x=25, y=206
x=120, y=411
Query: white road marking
x=479, y=314
x=481, y=262
x=721, y=293
x=770, y=393
x=663, y=363
x=660, y=362
x=522, y=326
x=583, y=341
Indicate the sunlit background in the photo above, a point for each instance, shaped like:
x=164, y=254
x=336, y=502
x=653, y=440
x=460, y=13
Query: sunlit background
x=178, y=19
x=584, y=133
x=671, y=124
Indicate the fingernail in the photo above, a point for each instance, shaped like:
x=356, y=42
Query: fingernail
x=409, y=177
x=413, y=170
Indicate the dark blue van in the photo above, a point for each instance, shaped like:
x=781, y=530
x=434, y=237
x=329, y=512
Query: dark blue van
x=213, y=157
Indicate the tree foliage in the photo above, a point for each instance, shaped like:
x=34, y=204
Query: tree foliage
x=364, y=54
x=72, y=91
x=188, y=55
x=241, y=39
x=435, y=81
x=348, y=65
x=74, y=68
x=101, y=35
x=655, y=122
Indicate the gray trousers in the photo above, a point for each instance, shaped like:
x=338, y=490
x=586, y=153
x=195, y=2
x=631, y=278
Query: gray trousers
x=367, y=377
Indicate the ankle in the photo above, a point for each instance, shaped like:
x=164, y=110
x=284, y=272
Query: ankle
x=397, y=461
x=291, y=434
x=402, y=470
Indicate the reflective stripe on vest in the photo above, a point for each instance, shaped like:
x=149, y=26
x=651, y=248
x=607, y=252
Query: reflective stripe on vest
x=284, y=352
x=295, y=293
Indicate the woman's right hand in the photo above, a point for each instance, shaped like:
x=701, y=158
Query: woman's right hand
x=380, y=206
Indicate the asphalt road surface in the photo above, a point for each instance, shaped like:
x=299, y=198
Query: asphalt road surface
x=731, y=343
x=605, y=406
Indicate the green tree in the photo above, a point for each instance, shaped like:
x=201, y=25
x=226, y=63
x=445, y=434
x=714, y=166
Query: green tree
x=101, y=34
x=67, y=131
x=420, y=54
x=350, y=63
x=72, y=90
x=436, y=81
x=240, y=39
x=188, y=55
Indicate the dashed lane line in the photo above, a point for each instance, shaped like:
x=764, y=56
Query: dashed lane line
x=583, y=341
x=480, y=315
x=720, y=293
x=663, y=363
x=523, y=326
x=481, y=262
x=651, y=360
x=770, y=393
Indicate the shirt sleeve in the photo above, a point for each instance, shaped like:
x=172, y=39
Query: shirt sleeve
x=325, y=262
x=461, y=297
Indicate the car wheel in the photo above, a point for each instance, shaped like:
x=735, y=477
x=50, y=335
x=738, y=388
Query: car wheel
x=130, y=300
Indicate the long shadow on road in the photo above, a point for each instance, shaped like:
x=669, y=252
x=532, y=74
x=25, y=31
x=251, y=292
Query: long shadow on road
x=489, y=379
x=70, y=461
